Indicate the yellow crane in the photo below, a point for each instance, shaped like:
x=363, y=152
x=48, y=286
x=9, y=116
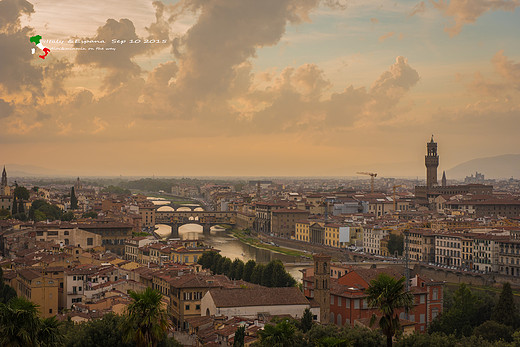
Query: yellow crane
x=372, y=176
x=393, y=197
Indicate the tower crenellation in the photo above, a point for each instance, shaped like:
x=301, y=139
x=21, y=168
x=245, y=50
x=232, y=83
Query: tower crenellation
x=431, y=161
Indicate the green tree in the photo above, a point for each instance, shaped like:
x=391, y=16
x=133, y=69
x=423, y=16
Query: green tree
x=67, y=216
x=306, y=322
x=494, y=331
x=240, y=334
x=49, y=333
x=6, y=291
x=395, y=243
x=465, y=312
x=73, y=199
x=237, y=269
x=21, y=193
x=333, y=335
x=226, y=267
x=267, y=274
x=4, y=214
x=505, y=310
x=146, y=322
x=106, y=331
x=256, y=276
x=21, y=207
x=279, y=335
x=14, y=210
x=90, y=214
x=42, y=210
x=388, y=294
x=248, y=270
x=217, y=259
x=19, y=323
x=280, y=277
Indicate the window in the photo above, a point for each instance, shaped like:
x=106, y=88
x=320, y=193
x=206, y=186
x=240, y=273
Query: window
x=356, y=304
x=187, y=307
x=339, y=300
x=90, y=241
x=412, y=318
x=332, y=299
x=435, y=313
x=50, y=310
x=422, y=318
x=435, y=294
x=197, y=307
x=423, y=300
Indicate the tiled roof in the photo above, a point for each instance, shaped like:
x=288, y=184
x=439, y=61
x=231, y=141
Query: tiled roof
x=258, y=297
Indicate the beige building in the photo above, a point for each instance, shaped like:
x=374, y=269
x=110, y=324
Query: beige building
x=147, y=212
x=6, y=202
x=448, y=249
x=73, y=237
x=42, y=290
x=132, y=246
x=283, y=221
x=421, y=245
x=372, y=238
x=252, y=303
x=244, y=221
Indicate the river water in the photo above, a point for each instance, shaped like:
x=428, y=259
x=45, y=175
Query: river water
x=229, y=247
x=232, y=248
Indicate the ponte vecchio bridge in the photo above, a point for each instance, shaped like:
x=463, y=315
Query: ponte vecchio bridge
x=206, y=219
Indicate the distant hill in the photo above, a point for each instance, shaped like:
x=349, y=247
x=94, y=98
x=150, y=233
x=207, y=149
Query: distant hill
x=17, y=170
x=501, y=166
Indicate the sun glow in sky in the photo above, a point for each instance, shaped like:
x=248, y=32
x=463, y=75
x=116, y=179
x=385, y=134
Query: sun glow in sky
x=250, y=87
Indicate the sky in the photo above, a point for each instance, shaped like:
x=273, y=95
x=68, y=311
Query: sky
x=257, y=87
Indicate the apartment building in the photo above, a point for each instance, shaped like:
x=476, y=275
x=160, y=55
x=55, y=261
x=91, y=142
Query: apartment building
x=348, y=298
x=372, y=237
x=39, y=288
x=448, y=249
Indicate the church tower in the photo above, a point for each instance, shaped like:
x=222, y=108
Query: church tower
x=322, y=285
x=444, y=178
x=432, y=162
x=4, y=179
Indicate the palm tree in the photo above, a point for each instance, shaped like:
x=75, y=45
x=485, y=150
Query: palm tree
x=146, y=322
x=387, y=294
x=19, y=323
x=279, y=335
x=49, y=333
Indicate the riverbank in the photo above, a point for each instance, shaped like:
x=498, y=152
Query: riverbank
x=247, y=238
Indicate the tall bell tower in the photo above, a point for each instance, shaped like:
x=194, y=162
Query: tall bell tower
x=431, y=161
x=322, y=285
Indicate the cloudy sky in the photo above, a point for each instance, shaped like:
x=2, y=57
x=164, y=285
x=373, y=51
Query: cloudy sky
x=257, y=87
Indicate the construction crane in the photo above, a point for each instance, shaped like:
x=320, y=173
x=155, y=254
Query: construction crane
x=393, y=197
x=372, y=175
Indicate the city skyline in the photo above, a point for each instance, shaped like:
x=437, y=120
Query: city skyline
x=248, y=88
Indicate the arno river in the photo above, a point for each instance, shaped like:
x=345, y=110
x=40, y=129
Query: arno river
x=229, y=246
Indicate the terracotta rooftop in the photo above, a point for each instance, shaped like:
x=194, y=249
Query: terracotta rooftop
x=258, y=297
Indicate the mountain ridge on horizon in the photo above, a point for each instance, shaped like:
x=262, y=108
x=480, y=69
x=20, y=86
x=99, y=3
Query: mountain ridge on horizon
x=494, y=167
